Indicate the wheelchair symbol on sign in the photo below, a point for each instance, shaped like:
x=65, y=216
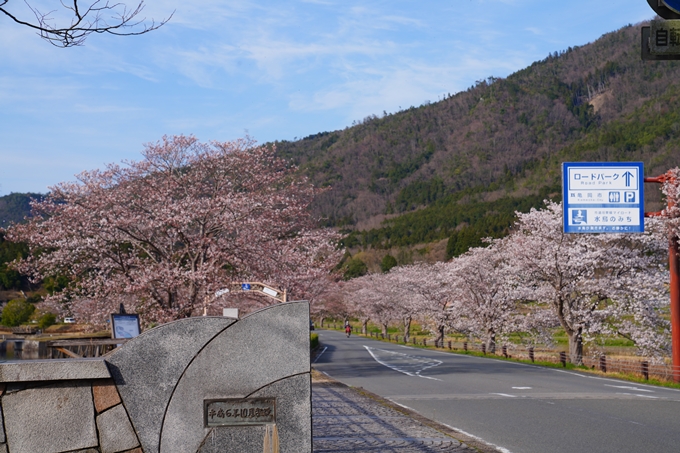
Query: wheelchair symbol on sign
x=579, y=216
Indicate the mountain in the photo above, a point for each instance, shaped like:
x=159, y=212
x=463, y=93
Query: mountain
x=461, y=166
x=444, y=175
x=15, y=206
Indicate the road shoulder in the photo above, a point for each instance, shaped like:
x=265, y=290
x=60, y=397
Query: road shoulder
x=365, y=422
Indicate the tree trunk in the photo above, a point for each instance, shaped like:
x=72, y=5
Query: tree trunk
x=407, y=329
x=384, y=326
x=440, y=335
x=321, y=321
x=491, y=342
x=364, y=326
x=576, y=347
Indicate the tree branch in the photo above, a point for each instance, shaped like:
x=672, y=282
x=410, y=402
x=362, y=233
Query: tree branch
x=85, y=21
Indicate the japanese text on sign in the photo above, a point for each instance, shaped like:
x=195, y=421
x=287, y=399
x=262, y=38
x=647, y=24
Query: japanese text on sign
x=665, y=38
x=240, y=411
x=603, y=197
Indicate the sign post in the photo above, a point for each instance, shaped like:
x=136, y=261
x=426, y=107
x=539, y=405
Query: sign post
x=608, y=197
x=603, y=197
x=674, y=268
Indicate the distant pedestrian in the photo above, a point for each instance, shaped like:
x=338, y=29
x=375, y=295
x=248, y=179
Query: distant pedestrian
x=348, y=330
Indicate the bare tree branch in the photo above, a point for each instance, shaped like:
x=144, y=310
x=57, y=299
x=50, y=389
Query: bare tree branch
x=100, y=16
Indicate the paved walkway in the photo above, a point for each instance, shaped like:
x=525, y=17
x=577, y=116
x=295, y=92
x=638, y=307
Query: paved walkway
x=346, y=420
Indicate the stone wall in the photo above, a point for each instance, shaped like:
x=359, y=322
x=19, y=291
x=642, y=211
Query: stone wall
x=154, y=394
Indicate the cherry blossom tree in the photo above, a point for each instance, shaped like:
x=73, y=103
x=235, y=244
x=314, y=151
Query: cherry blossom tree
x=671, y=189
x=426, y=295
x=484, y=293
x=579, y=275
x=167, y=232
x=372, y=297
x=331, y=304
x=358, y=297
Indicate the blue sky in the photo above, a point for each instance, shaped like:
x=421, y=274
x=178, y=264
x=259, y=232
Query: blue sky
x=276, y=70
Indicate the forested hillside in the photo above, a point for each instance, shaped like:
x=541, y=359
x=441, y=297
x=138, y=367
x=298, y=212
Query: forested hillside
x=15, y=206
x=13, y=209
x=459, y=168
x=475, y=157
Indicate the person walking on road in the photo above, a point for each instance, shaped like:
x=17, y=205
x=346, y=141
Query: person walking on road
x=348, y=329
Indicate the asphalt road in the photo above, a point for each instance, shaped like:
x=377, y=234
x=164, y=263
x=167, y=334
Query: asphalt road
x=516, y=407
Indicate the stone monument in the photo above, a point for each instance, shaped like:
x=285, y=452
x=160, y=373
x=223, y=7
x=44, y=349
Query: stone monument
x=199, y=385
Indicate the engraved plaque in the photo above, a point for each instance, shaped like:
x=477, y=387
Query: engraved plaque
x=239, y=411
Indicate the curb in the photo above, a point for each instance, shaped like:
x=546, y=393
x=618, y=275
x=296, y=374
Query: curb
x=322, y=379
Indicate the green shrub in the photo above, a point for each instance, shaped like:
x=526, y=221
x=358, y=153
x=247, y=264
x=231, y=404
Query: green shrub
x=387, y=263
x=313, y=340
x=16, y=312
x=46, y=320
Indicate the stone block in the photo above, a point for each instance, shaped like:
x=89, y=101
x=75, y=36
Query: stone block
x=50, y=419
x=115, y=431
x=2, y=428
x=105, y=395
x=293, y=407
x=147, y=368
x=259, y=350
x=3, y=448
x=53, y=370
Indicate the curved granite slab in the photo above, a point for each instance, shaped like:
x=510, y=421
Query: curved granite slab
x=255, y=353
x=293, y=402
x=147, y=368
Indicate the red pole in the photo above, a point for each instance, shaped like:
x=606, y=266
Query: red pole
x=674, y=267
x=675, y=305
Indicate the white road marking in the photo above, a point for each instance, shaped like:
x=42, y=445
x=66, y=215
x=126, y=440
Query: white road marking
x=504, y=394
x=641, y=396
x=418, y=362
x=522, y=388
x=501, y=449
x=317, y=357
x=627, y=387
x=465, y=433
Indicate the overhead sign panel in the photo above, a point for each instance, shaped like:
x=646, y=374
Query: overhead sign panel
x=603, y=197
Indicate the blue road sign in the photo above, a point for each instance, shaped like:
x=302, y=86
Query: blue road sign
x=673, y=5
x=603, y=197
x=245, y=286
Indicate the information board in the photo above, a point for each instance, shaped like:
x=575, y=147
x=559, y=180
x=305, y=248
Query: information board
x=603, y=197
x=124, y=326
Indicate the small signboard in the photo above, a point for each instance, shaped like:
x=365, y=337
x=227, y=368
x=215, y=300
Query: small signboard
x=270, y=292
x=230, y=313
x=603, y=197
x=239, y=412
x=124, y=326
x=661, y=40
